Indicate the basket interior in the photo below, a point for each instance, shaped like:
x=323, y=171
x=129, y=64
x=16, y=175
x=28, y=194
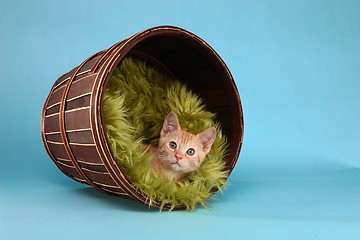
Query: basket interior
x=197, y=65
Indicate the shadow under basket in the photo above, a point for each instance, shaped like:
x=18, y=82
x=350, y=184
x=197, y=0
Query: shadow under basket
x=72, y=124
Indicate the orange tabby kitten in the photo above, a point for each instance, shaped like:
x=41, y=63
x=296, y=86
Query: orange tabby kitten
x=179, y=152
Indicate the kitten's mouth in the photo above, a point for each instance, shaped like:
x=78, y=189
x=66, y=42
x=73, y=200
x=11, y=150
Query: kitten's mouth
x=176, y=162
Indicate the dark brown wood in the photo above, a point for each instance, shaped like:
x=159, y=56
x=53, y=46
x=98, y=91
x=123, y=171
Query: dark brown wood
x=72, y=129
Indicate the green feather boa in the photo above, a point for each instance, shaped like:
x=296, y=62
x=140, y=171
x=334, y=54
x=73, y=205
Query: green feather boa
x=136, y=101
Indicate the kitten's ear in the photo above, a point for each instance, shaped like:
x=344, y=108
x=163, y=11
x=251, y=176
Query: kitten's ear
x=207, y=138
x=171, y=124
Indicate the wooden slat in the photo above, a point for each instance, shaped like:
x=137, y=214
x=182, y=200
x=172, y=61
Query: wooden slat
x=115, y=191
x=81, y=86
x=77, y=119
x=63, y=78
x=81, y=102
x=55, y=98
x=71, y=171
x=52, y=124
x=86, y=153
x=88, y=65
x=93, y=167
x=107, y=186
x=53, y=109
x=80, y=137
x=58, y=150
x=64, y=161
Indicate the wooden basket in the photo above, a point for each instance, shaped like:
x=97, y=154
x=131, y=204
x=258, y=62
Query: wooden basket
x=72, y=125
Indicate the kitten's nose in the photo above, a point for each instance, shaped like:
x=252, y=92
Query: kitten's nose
x=178, y=156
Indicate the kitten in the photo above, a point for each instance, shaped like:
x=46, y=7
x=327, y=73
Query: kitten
x=179, y=152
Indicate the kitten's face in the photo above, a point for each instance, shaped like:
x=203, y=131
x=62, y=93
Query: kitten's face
x=182, y=151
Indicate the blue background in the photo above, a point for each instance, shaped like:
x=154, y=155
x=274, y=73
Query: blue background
x=297, y=67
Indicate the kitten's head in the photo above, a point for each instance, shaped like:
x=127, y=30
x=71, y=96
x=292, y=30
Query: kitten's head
x=180, y=150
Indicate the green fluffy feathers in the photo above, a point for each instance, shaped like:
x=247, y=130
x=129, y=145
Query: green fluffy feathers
x=136, y=102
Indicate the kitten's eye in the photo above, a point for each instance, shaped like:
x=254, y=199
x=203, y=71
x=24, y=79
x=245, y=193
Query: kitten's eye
x=172, y=145
x=190, y=152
